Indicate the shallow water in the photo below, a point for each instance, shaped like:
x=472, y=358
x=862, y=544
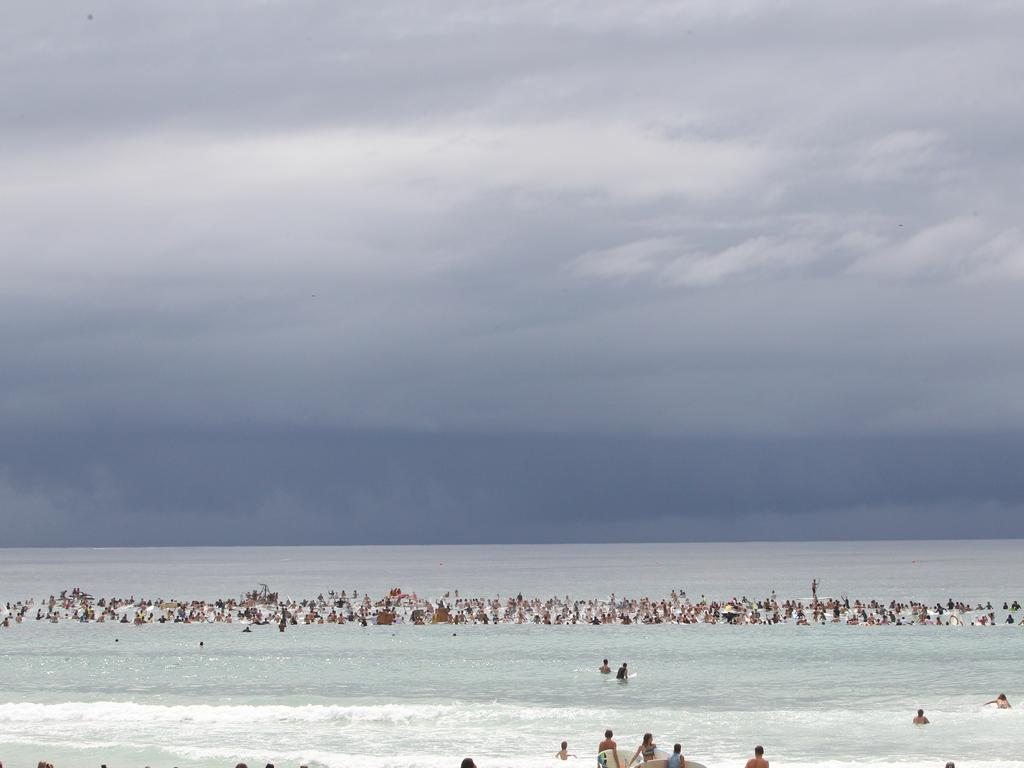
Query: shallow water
x=507, y=695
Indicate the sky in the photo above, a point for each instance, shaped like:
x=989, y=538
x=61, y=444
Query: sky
x=319, y=272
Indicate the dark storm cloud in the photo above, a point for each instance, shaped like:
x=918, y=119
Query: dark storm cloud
x=248, y=485
x=749, y=222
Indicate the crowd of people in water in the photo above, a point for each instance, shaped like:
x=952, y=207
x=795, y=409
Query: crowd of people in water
x=399, y=607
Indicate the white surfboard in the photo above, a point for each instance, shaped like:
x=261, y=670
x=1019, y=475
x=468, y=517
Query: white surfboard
x=660, y=761
x=607, y=760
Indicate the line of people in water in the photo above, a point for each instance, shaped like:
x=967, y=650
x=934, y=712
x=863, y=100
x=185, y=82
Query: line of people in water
x=399, y=607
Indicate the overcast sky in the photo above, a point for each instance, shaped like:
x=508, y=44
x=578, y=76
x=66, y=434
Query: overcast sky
x=517, y=271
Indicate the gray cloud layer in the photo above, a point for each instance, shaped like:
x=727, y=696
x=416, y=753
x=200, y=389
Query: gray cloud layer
x=748, y=220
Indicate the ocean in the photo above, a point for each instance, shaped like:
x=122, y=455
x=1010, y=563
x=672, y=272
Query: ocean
x=341, y=695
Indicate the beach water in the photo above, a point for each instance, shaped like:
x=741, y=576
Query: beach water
x=329, y=695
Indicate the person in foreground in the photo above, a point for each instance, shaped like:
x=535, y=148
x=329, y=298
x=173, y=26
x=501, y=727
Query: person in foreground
x=676, y=759
x=609, y=743
x=1000, y=701
x=646, y=748
x=921, y=719
x=467, y=762
x=757, y=761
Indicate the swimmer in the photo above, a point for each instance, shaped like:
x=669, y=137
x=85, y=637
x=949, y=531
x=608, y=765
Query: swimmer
x=604, y=669
x=921, y=719
x=623, y=673
x=563, y=753
x=646, y=748
x=609, y=743
x=1000, y=701
x=757, y=761
x=247, y=628
x=676, y=759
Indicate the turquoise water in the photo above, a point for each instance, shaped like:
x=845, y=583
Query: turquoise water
x=507, y=695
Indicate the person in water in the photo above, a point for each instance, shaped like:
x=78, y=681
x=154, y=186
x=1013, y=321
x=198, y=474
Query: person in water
x=646, y=748
x=1000, y=701
x=623, y=673
x=921, y=719
x=604, y=669
x=609, y=743
x=757, y=761
x=563, y=753
x=676, y=759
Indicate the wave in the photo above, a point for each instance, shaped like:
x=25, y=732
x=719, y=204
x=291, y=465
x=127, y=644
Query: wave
x=106, y=713
x=123, y=712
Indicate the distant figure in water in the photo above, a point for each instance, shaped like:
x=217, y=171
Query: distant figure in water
x=563, y=753
x=921, y=719
x=604, y=669
x=247, y=629
x=1000, y=701
x=623, y=673
x=467, y=762
x=757, y=761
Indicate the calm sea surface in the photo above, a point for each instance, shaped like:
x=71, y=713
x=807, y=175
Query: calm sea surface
x=507, y=695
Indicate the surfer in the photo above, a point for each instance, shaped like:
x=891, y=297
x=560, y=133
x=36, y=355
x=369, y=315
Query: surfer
x=646, y=748
x=676, y=759
x=623, y=673
x=921, y=719
x=604, y=669
x=563, y=753
x=1000, y=701
x=609, y=744
x=757, y=761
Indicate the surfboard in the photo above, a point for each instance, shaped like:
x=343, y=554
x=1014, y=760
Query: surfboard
x=605, y=759
x=660, y=760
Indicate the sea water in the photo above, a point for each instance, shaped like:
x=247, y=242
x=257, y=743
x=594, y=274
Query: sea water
x=341, y=695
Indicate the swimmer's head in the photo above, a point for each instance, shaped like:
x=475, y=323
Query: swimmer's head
x=608, y=733
x=759, y=750
x=565, y=745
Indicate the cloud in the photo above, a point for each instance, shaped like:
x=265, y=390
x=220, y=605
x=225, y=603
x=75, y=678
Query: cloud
x=959, y=249
x=637, y=258
x=757, y=255
x=897, y=155
x=593, y=219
